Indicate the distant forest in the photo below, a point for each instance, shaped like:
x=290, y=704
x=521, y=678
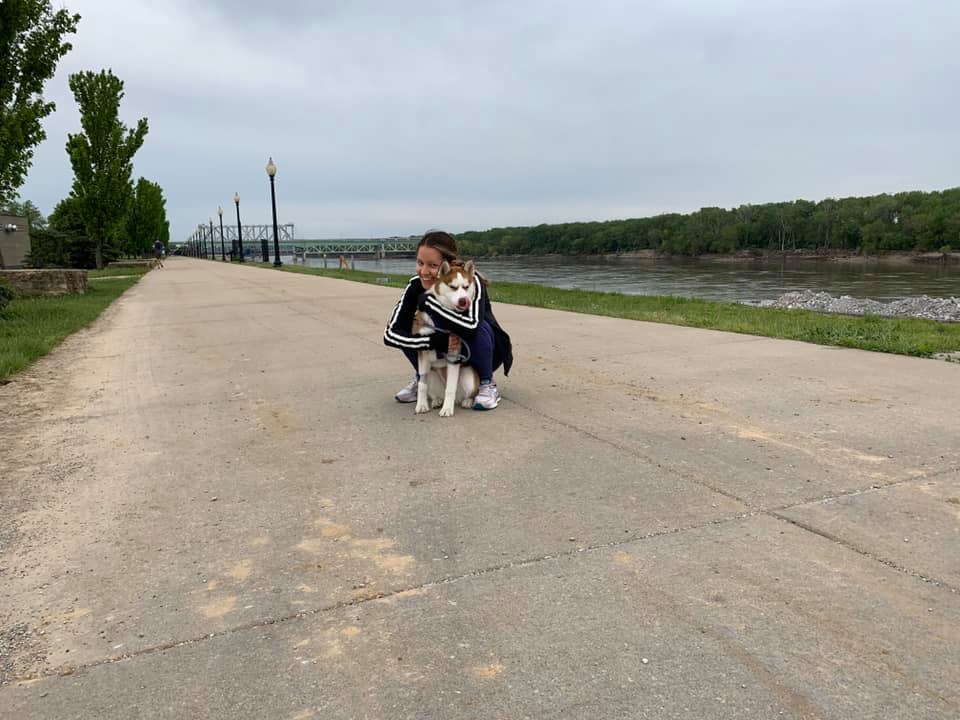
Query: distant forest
x=904, y=222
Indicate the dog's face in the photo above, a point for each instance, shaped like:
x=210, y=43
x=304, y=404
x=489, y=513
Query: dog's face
x=456, y=285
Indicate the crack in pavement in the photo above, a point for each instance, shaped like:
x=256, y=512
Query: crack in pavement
x=776, y=512
x=865, y=553
x=266, y=622
x=633, y=452
x=500, y=567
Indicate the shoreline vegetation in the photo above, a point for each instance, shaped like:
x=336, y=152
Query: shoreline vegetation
x=904, y=222
x=799, y=256
x=901, y=336
x=30, y=327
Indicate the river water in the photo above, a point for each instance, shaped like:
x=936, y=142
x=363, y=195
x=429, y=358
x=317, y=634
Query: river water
x=707, y=279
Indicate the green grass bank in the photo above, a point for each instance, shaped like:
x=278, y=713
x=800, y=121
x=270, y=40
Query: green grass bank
x=919, y=338
x=30, y=327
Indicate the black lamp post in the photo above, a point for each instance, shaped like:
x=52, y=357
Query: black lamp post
x=236, y=201
x=223, y=250
x=213, y=245
x=202, y=236
x=272, y=171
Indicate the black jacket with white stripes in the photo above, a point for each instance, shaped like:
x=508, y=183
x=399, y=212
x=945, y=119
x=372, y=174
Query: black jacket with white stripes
x=399, y=332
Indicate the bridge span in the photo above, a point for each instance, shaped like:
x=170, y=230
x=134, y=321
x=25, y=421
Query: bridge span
x=377, y=247
x=210, y=239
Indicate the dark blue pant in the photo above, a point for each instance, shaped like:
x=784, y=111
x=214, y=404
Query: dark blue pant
x=414, y=360
x=481, y=353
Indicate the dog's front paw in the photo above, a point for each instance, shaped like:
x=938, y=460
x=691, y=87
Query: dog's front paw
x=422, y=408
x=446, y=411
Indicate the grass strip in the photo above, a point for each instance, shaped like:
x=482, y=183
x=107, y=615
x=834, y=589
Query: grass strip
x=30, y=327
x=901, y=336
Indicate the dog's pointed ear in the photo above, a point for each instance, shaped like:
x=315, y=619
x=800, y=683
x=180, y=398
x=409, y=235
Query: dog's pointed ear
x=445, y=268
x=468, y=267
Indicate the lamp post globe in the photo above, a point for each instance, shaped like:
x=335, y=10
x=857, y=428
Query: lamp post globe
x=236, y=201
x=272, y=171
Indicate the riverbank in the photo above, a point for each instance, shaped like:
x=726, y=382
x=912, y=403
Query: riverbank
x=799, y=256
x=939, y=309
x=902, y=336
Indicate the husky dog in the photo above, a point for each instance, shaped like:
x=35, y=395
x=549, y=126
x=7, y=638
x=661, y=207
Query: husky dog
x=444, y=383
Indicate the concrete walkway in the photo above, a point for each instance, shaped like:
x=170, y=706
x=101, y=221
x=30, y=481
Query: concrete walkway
x=213, y=508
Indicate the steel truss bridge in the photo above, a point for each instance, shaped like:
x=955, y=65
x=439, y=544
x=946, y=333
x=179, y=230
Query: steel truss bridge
x=254, y=235
x=378, y=247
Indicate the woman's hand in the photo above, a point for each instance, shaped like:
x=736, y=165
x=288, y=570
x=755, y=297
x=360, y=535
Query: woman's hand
x=454, y=344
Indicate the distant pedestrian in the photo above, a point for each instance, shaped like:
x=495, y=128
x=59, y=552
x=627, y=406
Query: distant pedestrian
x=158, y=253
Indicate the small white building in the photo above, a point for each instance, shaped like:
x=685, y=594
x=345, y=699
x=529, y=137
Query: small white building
x=14, y=241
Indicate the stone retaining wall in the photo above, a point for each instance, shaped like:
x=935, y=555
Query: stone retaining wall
x=46, y=282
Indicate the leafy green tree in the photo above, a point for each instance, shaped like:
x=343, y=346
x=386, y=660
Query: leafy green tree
x=146, y=220
x=64, y=242
x=31, y=44
x=102, y=157
x=28, y=210
x=67, y=218
x=912, y=221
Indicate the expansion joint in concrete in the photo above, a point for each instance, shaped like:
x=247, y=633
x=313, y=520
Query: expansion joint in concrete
x=865, y=553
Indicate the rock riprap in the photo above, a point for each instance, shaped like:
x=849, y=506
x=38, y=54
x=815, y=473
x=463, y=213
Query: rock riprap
x=923, y=306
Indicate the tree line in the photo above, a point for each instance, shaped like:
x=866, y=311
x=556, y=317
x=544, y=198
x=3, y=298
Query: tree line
x=902, y=222
x=105, y=214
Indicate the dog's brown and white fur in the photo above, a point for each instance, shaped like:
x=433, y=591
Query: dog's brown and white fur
x=444, y=383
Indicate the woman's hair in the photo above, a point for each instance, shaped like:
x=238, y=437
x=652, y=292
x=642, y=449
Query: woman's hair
x=442, y=242
x=446, y=245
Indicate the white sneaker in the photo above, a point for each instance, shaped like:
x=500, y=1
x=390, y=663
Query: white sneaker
x=408, y=394
x=487, y=398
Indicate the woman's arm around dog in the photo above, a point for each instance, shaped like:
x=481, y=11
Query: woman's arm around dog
x=399, y=330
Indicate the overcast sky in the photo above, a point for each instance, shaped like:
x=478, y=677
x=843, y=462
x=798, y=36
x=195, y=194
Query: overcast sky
x=388, y=118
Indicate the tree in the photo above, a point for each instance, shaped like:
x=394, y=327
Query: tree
x=31, y=44
x=147, y=219
x=102, y=156
x=28, y=210
x=64, y=243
